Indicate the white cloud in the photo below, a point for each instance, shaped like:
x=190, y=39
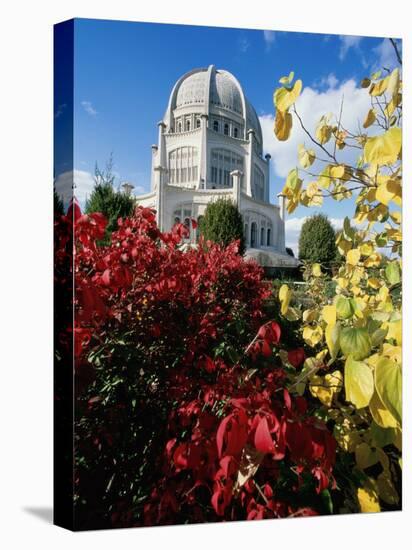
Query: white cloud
x=348, y=42
x=269, y=38
x=139, y=190
x=329, y=82
x=77, y=182
x=88, y=107
x=311, y=105
x=386, y=54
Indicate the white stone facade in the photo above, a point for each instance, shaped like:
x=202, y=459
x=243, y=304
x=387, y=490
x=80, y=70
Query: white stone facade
x=210, y=146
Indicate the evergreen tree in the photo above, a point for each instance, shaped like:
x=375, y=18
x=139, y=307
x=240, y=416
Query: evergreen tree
x=223, y=223
x=106, y=199
x=317, y=240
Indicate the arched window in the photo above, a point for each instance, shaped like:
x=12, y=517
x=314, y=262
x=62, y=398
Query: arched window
x=262, y=236
x=235, y=132
x=268, y=237
x=226, y=129
x=222, y=163
x=198, y=123
x=216, y=126
x=253, y=231
x=246, y=232
x=258, y=184
x=187, y=125
x=179, y=127
x=183, y=165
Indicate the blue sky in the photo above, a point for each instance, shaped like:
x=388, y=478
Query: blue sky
x=124, y=72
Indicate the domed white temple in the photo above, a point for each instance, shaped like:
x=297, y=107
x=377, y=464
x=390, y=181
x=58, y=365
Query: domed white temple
x=210, y=146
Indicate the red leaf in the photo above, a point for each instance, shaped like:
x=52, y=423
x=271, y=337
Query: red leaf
x=296, y=357
x=270, y=332
x=206, y=363
x=232, y=434
x=263, y=439
x=106, y=278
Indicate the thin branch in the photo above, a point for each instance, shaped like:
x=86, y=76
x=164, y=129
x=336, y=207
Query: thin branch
x=339, y=123
x=312, y=138
x=396, y=51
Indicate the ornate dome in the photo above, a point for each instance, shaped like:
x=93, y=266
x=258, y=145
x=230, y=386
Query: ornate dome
x=211, y=90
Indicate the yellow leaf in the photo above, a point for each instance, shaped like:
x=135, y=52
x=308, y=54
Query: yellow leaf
x=332, y=334
x=326, y=388
x=380, y=413
x=353, y=256
x=306, y=156
x=388, y=382
x=388, y=191
x=316, y=270
x=374, y=260
x=395, y=331
x=378, y=88
x=366, y=249
x=359, y=385
x=310, y=315
x=337, y=171
x=368, y=498
x=370, y=118
x=323, y=132
x=346, y=436
x=340, y=139
x=393, y=85
x=365, y=456
x=374, y=283
x=385, y=148
x=284, y=98
x=283, y=125
x=329, y=314
x=285, y=295
x=312, y=336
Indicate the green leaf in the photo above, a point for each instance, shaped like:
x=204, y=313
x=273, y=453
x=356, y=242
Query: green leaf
x=287, y=79
x=344, y=307
x=392, y=272
x=355, y=342
x=388, y=380
x=359, y=384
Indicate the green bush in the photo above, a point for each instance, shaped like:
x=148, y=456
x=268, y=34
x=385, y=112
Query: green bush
x=223, y=223
x=317, y=240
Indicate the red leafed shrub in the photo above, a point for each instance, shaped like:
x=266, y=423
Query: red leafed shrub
x=181, y=411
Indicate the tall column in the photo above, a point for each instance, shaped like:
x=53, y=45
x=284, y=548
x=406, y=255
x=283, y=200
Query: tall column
x=162, y=145
x=249, y=171
x=237, y=182
x=203, y=153
x=281, y=225
x=154, y=159
x=282, y=205
x=160, y=192
x=267, y=158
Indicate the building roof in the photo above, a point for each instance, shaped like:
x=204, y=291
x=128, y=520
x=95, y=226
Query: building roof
x=210, y=90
